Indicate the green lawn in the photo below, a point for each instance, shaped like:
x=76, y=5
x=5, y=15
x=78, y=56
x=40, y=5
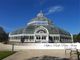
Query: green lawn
x=4, y=54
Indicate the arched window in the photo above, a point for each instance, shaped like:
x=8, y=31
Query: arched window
x=41, y=31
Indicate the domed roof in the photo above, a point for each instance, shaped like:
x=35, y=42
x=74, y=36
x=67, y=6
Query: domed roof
x=30, y=28
x=40, y=14
x=40, y=18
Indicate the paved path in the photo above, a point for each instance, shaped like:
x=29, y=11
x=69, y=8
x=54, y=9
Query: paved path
x=24, y=55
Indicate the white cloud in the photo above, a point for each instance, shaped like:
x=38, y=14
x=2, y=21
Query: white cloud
x=54, y=9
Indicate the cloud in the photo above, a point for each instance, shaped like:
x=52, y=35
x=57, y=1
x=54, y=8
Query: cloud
x=54, y=9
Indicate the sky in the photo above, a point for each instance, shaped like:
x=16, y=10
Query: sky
x=65, y=14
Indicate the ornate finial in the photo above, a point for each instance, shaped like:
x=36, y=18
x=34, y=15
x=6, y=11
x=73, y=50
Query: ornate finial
x=40, y=14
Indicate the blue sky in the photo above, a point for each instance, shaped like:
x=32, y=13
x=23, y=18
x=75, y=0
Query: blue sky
x=17, y=13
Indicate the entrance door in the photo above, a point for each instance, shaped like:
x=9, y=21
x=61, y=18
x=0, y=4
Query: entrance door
x=50, y=39
x=41, y=34
x=22, y=39
x=40, y=39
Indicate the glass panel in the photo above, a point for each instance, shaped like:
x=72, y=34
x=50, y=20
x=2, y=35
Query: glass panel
x=56, y=38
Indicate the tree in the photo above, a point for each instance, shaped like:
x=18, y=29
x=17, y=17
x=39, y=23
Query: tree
x=3, y=35
x=76, y=37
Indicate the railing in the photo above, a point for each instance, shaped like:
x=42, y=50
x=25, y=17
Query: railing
x=73, y=52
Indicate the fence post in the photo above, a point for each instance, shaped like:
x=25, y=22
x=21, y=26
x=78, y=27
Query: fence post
x=77, y=54
x=12, y=47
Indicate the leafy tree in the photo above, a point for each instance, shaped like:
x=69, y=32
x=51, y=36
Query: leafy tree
x=76, y=37
x=3, y=35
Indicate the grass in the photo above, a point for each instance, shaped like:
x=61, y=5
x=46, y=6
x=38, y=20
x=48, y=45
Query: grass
x=4, y=54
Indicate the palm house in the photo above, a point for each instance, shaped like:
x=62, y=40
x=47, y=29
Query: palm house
x=40, y=30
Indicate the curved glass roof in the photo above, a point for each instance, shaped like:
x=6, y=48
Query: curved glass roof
x=40, y=18
x=30, y=28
